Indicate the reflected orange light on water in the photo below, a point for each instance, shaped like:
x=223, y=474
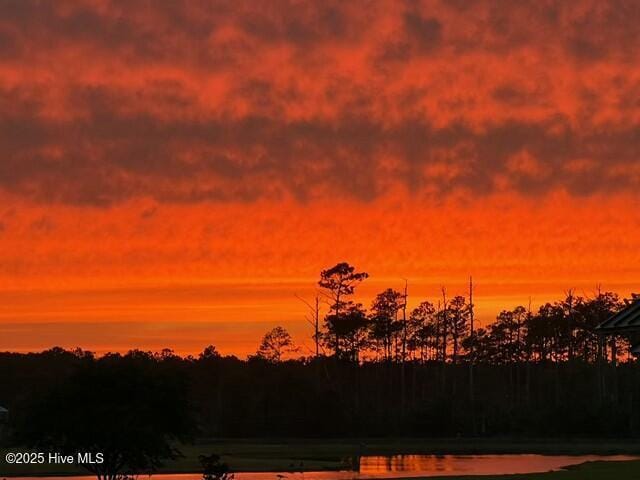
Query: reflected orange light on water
x=405, y=466
x=397, y=466
x=407, y=463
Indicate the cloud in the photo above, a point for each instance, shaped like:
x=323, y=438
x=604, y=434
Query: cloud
x=426, y=32
x=238, y=101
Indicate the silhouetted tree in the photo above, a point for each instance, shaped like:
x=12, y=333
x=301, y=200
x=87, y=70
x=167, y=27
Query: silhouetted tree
x=275, y=343
x=506, y=336
x=349, y=329
x=385, y=326
x=546, y=333
x=458, y=321
x=588, y=315
x=423, y=335
x=339, y=282
x=209, y=352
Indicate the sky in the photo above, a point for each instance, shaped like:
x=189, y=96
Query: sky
x=173, y=174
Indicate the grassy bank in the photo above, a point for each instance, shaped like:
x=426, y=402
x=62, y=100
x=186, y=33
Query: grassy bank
x=311, y=455
x=586, y=471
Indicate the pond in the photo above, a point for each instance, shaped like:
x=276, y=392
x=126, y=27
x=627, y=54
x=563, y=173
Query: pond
x=403, y=466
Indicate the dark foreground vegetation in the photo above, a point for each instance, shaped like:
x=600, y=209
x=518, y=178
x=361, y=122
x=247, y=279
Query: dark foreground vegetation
x=215, y=396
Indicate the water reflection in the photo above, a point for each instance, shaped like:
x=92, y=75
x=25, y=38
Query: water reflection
x=444, y=465
x=403, y=466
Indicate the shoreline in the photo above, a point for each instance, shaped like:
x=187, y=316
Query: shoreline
x=593, y=470
x=312, y=455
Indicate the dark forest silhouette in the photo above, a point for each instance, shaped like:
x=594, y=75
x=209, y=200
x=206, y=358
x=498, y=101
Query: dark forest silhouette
x=129, y=409
x=444, y=332
x=386, y=371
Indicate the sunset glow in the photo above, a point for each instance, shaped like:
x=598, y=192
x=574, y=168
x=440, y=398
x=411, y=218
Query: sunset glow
x=174, y=178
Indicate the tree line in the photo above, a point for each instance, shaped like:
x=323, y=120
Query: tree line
x=564, y=330
x=61, y=398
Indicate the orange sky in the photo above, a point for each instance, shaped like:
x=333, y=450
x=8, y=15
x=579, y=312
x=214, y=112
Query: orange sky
x=173, y=176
